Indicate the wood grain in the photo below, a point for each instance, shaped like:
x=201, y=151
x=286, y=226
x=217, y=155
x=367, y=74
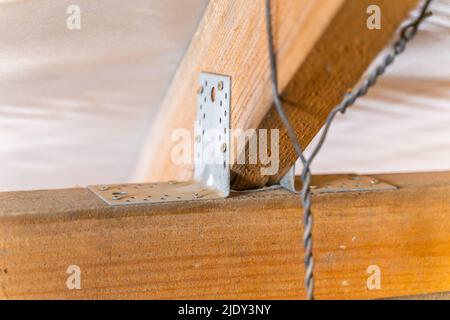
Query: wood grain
x=322, y=48
x=246, y=246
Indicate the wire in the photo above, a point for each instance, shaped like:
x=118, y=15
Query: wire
x=406, y=34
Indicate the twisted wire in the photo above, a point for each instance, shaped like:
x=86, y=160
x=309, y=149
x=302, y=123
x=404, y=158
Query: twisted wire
x=406, y=34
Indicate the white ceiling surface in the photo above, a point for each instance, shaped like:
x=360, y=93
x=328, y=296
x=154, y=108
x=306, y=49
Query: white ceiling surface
x=75, y=106
x=403, y=124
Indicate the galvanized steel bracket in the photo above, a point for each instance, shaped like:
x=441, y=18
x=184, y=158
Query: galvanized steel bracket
x=338, y=183
x=211, y=179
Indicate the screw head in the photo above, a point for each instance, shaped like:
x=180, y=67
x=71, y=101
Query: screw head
x=220, y=85
x=119, y=193
x=197, y=195
x=104, y=188
x=223, y=147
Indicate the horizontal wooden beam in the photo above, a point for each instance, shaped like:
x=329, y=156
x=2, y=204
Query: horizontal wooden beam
x=246, y=246
x=322, y=49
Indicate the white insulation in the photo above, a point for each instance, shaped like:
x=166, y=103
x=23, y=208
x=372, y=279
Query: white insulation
x=76, y=105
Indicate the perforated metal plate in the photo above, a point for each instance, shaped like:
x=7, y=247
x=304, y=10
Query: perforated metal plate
x=212, y=133
x=344, y=183
x=211, y=178
x=135, y=193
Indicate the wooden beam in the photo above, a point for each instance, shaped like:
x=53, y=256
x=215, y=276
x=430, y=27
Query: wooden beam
x=323, y=48
x=246, y=246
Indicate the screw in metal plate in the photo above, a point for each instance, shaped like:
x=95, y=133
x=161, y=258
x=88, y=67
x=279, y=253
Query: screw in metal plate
x=220, y=85
x=197, y=195
x=104, y=188
x=223, y=147
x=119, y=193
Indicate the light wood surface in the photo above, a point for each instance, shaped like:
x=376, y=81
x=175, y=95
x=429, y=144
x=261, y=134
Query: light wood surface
x=246, y=246
x=322, y=47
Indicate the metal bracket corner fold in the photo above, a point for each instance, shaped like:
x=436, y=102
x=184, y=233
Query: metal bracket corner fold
x=211, y=178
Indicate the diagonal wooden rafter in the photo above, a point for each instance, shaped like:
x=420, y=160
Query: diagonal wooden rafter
x=323, y=48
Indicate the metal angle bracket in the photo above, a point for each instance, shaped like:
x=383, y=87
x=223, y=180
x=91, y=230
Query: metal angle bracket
x=211, y=179
x=337, y=183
